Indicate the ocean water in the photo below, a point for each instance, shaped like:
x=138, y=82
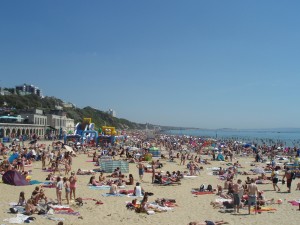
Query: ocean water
x=285, y=136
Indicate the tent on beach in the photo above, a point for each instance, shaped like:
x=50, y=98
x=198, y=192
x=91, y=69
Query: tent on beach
x=14, y=178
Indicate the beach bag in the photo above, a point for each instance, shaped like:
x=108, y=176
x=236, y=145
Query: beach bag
x=209, y=188
x=293, y=175
x=202, y=188
x=13, y=210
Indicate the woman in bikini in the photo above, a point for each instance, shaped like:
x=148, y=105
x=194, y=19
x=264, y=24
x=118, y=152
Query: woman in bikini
x=59, y=187
x=94, y=182
x=73, y=180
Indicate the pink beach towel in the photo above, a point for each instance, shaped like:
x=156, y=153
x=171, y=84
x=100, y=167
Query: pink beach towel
x=294, y=203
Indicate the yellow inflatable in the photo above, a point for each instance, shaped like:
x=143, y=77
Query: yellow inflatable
x=109, y=130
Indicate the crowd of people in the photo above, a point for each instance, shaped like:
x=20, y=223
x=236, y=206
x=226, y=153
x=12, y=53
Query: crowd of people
x=191, y=153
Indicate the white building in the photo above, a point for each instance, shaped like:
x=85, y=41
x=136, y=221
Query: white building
x=70, y=125
x=112, y=112
x=60, y=122
x=35, y=117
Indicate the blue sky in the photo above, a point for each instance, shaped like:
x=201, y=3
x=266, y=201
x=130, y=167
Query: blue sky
x=207, y=64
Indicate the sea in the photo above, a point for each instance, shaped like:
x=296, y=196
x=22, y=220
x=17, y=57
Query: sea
x=288, y=137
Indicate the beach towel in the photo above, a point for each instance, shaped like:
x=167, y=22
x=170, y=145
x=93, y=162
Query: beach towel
x=48, y=184
x=134, y=196
x=162, y=208
x=202, y=193
x=294, y=203
x=186, y=176
x=57, y=219
x=19, y=219
x=126, y=192
x=221, y=200
x=264, y=209
x=34, y=182
x=99, y=187
x=104, y=187
x=67, y=213
x=113, y=195
x=263, y=182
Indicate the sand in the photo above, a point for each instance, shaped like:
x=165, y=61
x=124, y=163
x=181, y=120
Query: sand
x=190, y=207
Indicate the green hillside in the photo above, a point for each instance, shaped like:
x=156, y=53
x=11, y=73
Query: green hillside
x=99, y=117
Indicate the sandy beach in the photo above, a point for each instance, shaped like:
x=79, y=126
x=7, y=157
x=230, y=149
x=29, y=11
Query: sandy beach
x=190, y=207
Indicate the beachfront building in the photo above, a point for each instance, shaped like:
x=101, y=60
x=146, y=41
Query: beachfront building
x=35, y=116
x=59, y=123
x=70, y=125
x=15, y=130
x=35, y=122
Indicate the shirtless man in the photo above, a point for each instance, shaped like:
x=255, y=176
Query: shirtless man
x=237, y=193
x=288, y=176
x=252, y=193
x=140, y=166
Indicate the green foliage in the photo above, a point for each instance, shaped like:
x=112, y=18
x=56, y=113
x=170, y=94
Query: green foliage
x=99, y=117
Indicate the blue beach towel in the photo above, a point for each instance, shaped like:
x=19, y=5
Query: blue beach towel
x=99, y=187
x=33, y=182
x=113, y=195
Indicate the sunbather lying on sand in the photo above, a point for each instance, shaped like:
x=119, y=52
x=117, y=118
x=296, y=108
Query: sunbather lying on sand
x=207, y=222
x=165, y=202
x=85, y=172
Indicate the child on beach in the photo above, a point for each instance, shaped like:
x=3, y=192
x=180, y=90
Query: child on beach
x=22, y=200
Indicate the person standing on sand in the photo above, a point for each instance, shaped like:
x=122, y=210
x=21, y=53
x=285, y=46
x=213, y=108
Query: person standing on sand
x=274, y=176
x=153, y=171
x=289, y=177
x=252, y=193
x=73, y=180
x=59, y=187
x=237, y=193
x=140, y=166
